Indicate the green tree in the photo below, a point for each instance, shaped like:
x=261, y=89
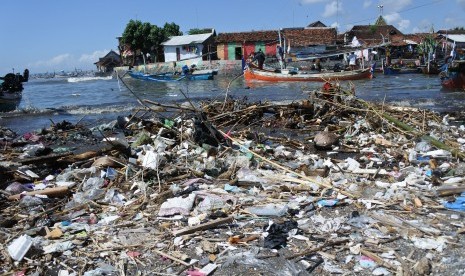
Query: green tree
x=147, y=38
x=199, y=31
x=156, y=38
x=171, y=29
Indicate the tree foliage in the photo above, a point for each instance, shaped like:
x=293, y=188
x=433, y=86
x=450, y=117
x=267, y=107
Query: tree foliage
x=428, y=45
x=147, y=38
x=199, y=31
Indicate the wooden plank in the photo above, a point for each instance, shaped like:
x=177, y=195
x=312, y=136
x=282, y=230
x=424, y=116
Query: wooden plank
x=203, y=226
x=51, y=192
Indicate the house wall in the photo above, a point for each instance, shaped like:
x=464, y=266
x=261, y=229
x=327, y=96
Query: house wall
x=226, y=51
x=232, y=50
x=185, y=52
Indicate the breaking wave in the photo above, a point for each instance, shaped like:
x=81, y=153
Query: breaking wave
x=79, y=79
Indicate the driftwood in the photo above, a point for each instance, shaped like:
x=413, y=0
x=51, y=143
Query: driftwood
x=44, y=159
x=450, y=190
x=51, y=192
x=203, y=226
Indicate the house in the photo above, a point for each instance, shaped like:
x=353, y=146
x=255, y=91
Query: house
x=233, y=46
x=108, y=62
x=371, y=35
x=316, y=24
x=190, y=47
x=452, y=39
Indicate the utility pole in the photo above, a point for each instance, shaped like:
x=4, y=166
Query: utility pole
x=380, y=8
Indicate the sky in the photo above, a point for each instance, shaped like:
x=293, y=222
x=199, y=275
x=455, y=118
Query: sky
x=54, y=35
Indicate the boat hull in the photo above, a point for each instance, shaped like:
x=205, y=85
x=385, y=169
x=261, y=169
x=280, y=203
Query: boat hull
x=9, y=101
x=170, y=77
x=265, y=75
x=397, y=71
x=455, y=83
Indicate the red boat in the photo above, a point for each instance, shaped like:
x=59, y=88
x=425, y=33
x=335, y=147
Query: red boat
x=278, y=75
x=454, y=78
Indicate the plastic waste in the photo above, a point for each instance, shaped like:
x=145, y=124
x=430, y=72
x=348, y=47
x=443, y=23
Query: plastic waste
x=19, y=247
x=58, y=247
x=232, y=189
x=278, y=233
x=367, y=262
x=30, y=201
x=177, y=205
x=93, y=183
x=423, y=146
x=457, y=205
x=327, y=202
x=17, y=188
x=103, y=269
x=269, y=210
x=428, y=243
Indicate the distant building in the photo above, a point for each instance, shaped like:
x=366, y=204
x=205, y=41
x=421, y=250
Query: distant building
x=370, y=35
x=316, y=24
x=108, y=62
x=233, y=46
x=190, y=47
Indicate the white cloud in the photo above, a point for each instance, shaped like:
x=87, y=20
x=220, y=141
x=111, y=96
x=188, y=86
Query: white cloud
x=423, y=26
x=396, y=20
x=367, y=3
x=68, y=62
x=93, y=57
x=331, y=9
x=335, y=25
x=403, y=24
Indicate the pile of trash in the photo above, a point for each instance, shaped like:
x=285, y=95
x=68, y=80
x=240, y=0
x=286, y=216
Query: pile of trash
x=328, y=185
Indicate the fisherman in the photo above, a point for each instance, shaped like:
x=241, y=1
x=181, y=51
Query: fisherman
x=280, y=56
x=352, y=61
x=260, y=58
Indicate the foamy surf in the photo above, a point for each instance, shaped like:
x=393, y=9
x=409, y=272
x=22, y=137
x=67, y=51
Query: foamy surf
x=79, y=79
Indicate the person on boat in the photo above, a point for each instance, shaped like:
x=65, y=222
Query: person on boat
x=352, y=61
x=280, y=56
x=260, y=58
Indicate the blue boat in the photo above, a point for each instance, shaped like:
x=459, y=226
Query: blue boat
x=170, y=77
x=393, y=70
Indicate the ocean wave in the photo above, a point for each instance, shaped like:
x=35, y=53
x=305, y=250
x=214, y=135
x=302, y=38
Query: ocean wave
x=79, y=79
x=68, y=110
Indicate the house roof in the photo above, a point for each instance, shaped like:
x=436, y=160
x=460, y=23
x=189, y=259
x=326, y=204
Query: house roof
x=373, y=34
x=316, y=24
x=187, y=39
x=296, y=36
x=311, y=36
x=254, y=36
x=444, y=32
x=456, y=37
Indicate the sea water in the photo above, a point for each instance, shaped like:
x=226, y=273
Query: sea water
x=93, y=101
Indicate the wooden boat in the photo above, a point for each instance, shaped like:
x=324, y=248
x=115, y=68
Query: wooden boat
x=432, y=69
x=11, y=90
x=253, y=73
x=393, y=70
x=173, y=77
x=454, y=77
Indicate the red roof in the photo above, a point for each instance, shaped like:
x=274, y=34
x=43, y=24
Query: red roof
x=297, y=36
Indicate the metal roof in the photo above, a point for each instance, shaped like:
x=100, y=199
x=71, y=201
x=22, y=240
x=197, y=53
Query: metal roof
x=456, y=37
x=187, y=39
